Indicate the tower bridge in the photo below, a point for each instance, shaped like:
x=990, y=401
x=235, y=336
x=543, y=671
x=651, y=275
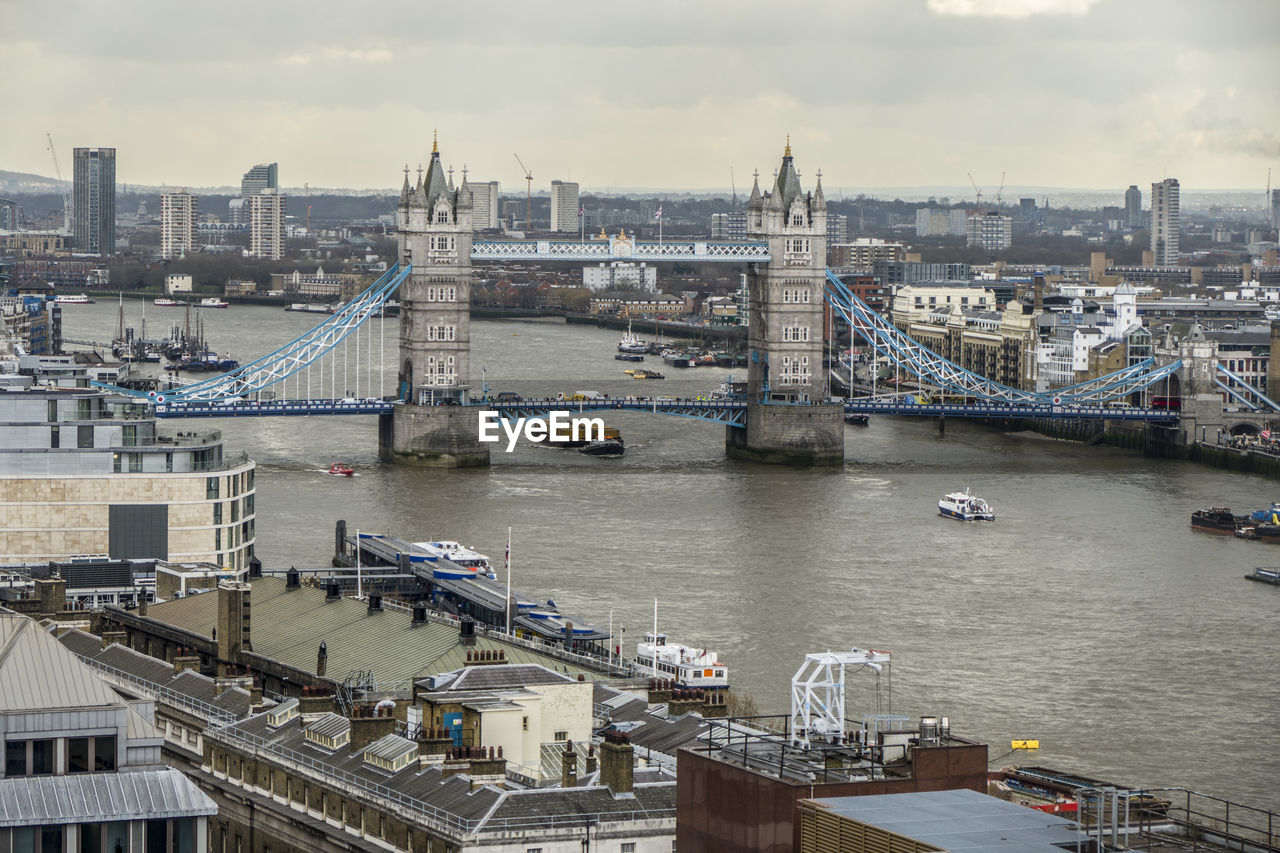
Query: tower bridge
x=430, y=416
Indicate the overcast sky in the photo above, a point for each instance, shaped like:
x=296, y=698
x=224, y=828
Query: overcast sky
x=662, y=94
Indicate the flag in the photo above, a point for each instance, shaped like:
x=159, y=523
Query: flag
x=657, y=214
x=1266, y=433
x=506, y=558
x=581, y=210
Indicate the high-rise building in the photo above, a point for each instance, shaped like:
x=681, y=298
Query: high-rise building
x=94, y=200
x=564, y=206
x=8, y=215
x=264, y=176
x=177, y=224
x=729, y=226
x=992, y=231
x=266, y=225
x=837, y=228
x=1027, y=209
x=1133, y=207
x=486, y=204
x=1164, y=222
x=1275, y=209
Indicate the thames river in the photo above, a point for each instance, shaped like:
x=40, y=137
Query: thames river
x=1089, y=615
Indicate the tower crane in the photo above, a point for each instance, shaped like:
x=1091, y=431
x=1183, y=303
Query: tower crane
x=734, y=186
x=528, y=197
x=975, y=188
x=66, y=193
x=1001, y=190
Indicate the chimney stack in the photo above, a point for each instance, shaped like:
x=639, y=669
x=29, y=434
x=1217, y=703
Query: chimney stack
x=375, y=602
x=292, y=579
x=617, y=759
x=332, y=591
x=322, y=659
x=466, y=631
x=568, y=766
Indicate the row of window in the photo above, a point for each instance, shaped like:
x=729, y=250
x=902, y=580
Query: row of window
x=442, y=333
x=177, y=835
x=442, y=294
x=796, y=296
x=38, y=757
x=237, y=484
x=795, y=333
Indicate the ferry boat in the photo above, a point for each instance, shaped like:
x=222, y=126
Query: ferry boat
x=73, y=299
x=166, y=302
x=214, y=302
x=1217, y=519
x=342, y=469
x=965, y=507
x=686, y=666
x=1271, y=576
x=459, y=555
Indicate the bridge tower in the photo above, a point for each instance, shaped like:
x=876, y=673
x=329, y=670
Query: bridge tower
x=434, y=235
x=788, y=419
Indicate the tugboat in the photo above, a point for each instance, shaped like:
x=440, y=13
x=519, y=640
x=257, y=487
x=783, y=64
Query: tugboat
x=630, y=343
x=963, y=506
x=342, y=469
x=610, y=446
x=1216, y=519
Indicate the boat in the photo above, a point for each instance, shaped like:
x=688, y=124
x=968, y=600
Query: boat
x=1270, y=515
x=1217, y=519
x=342, y=469
x=166, y=302
x=1271, y=576
x=629, y=356
x=1049, y=790
x=857, y=418
x=460, y=555
x=644, y=374
x=630, y=343
x=309, y=308
x=675, y=358
x=687, y=667
x=610, y=446
x=73, y=299
x=964, y=506
x=214, y=302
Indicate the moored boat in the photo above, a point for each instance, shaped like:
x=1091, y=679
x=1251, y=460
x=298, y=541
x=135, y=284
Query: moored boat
x=459, y=555
x=1217, y=519
x=688, y=667
x=73, y=299
x=964, y=506
x=630, y=343
x=166, y=302
x=214, y=302
x=629, y=356
x=1271, y=576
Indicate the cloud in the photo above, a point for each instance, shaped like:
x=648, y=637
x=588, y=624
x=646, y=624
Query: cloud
x=1010, y=8
x=337, y=54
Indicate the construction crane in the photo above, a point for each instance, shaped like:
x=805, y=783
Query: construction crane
x=975, y=188
x=306, y=188
x=1001, y=190
x=66, y=193
x=733, y=186
x=528, y=198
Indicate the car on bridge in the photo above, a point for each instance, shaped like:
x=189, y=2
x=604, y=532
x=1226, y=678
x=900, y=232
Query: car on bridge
x=507, y=397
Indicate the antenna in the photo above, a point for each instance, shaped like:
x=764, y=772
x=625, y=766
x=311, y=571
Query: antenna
x=528, y=198
x=66, y=194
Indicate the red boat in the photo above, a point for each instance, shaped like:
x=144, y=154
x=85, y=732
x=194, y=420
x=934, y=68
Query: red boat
x=342, y=469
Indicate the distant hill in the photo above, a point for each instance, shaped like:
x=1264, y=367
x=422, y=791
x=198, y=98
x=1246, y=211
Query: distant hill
x=24, y=182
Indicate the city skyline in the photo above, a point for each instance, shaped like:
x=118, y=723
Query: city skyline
x=1071, y=93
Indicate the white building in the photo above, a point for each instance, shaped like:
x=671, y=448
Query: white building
x=178, y=282
x=266, y=225
x=1165, y=227
x=564, y=206
x=992, y=231
x=178, y=213
x=486, y=205
x=940, y=222
x=620, y=275
x=917, y=297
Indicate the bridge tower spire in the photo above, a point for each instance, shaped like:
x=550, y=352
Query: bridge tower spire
x=434, y=235
x=788, y=418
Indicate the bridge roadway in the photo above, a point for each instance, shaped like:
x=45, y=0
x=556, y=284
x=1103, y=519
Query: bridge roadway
x=731, y=412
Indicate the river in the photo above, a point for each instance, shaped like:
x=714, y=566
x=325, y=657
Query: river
x=1090, y=615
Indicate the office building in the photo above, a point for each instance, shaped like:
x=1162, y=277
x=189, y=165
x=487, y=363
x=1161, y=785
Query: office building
x=486, y=204
x=620, y=275
x=8, y=215
x=1133, y=217
x=1027, y=209
x=94, y=200
x=1165, y=226
x=837, y=228
x=729, y=226
x=940, y=222
x=992, y=231
x=264, y=176
x=1274, y=209
x=266, y=225
x=863, y=253
x=178, y=213
x=564, y=206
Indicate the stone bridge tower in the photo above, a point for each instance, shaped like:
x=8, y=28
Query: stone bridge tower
x=431, y=426
x=788, y=419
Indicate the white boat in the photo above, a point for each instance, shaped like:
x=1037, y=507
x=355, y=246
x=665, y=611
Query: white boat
x=630, y=343
x=459, y=554
x=73, y=299
x=166, y=302
x=965, y=507
x=214, y=302
x=686, y=666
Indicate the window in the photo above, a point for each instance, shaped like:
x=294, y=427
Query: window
x=562, y=736
x=84, y=436
x=211, y=488
x=53, y=410
x=55, y=440
x=129, y=435
x=78, y=755
x=135, y=462
x=28, y=758
x=628, y=847
x=524, y=723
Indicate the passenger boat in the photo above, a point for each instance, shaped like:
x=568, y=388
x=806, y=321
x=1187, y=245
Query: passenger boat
x=73, y=299
x=629, y=356
x=1217, y=519
x=342, y=469
x=166, y=302
x=857, y=418
x=460, y=555
x=1271, y=576
x=214, y=302
x=688, y=667
x=965, y=507
x=611, y=445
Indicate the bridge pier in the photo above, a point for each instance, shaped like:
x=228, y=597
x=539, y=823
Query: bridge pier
x=782, y=434
x=432, y=436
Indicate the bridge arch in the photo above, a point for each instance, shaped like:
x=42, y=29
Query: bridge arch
x=1243, y=428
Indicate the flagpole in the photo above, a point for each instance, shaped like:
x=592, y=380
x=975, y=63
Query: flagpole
x=655, y=631
x=359, y=574
x=508, y=604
